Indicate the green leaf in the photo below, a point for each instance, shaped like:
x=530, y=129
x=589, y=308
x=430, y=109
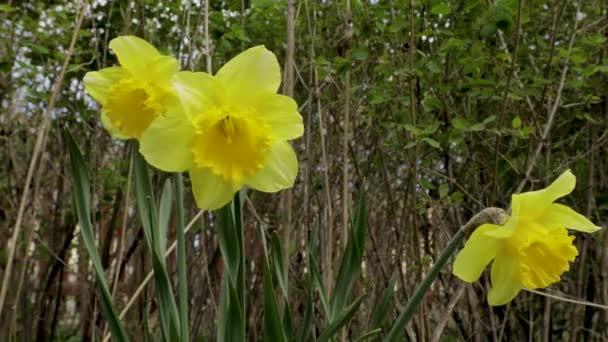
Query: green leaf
x=82, y=194
x=360, y=54
x=181, y=259
x=231, y=326
x=340, y=320
x=443, y=190
x=148, y=213
x=350, y=265
x=273, y=327
x=164, y=214
x=432, y=142
x=7, y=8
x=383, y=305
x=229, y=241
x=264, y=4
x=516, y=123
x=443, y=9
x=278, y=264
x=460, y=123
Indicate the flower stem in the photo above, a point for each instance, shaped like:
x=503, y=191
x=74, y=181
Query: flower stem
x=488, y=215
x=181, y=259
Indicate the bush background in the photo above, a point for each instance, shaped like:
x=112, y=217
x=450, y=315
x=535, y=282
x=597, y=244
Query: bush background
x=447, y=114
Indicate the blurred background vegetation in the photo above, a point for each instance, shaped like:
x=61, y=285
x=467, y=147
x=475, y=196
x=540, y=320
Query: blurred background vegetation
x=436, y=117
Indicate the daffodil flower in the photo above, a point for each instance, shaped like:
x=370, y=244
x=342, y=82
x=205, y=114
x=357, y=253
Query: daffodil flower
x=231, y=130
x=135, y=93
x=532, y=249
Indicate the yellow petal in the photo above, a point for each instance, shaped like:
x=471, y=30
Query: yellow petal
x=504, y=277
x=477, y=253
x=197, y=91
x=250, y=74
x=161, y=70
x=281, y=113
x=134, y=53
x=164, y=144
x=113, y=130
x=561, y=216
x=532, y=204
x=210, y=191
x=279, y=171
x=99, y=82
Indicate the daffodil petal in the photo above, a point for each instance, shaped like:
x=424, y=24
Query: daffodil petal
x=165, y=143
x=281, y=113
x=134, y=53
x=210, y=191
x=280, y=170
x=561, y=216
x=196, y=90
x=99, y=82
x=534, y=203
x=161, y=69
x=505, y=284
x=477, y=253
x=251, y=73
x=113, y=130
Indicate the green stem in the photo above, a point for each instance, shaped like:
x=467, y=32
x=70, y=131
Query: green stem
x=181, y=259
x=238, y=226
x=488, y=215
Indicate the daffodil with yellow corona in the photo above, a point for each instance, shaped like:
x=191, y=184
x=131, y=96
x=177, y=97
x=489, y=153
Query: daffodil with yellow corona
x=532, y=249
x=134, y=94
x=231, y=130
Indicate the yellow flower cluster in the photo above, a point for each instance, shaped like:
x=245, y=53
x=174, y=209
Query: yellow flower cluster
x=228, y=131
x=532, y=249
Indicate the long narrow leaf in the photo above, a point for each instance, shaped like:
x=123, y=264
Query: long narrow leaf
x=340, y=320
x=181, y=259
x=81, y=190
x=351, y=259
x=148, y=213
x=383, y=305
x=279, y=264
x=229, y=242
x=164, y=215
x=231, y=324
x=273, y=328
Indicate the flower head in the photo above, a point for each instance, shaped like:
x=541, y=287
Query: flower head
x=231, y=130
x=136, y=93
x=532, y=249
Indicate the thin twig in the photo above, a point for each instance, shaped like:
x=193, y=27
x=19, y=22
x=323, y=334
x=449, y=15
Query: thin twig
x=553, y=110
x=568, y=300
x=38, y=148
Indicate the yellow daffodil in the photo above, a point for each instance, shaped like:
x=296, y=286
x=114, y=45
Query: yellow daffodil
x=231, y=130
x=138, y=91
x=532, y=249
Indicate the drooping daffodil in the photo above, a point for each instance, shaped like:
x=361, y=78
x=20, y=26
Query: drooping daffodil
x=231, y=130
x=532, y=249
x=135, y=93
